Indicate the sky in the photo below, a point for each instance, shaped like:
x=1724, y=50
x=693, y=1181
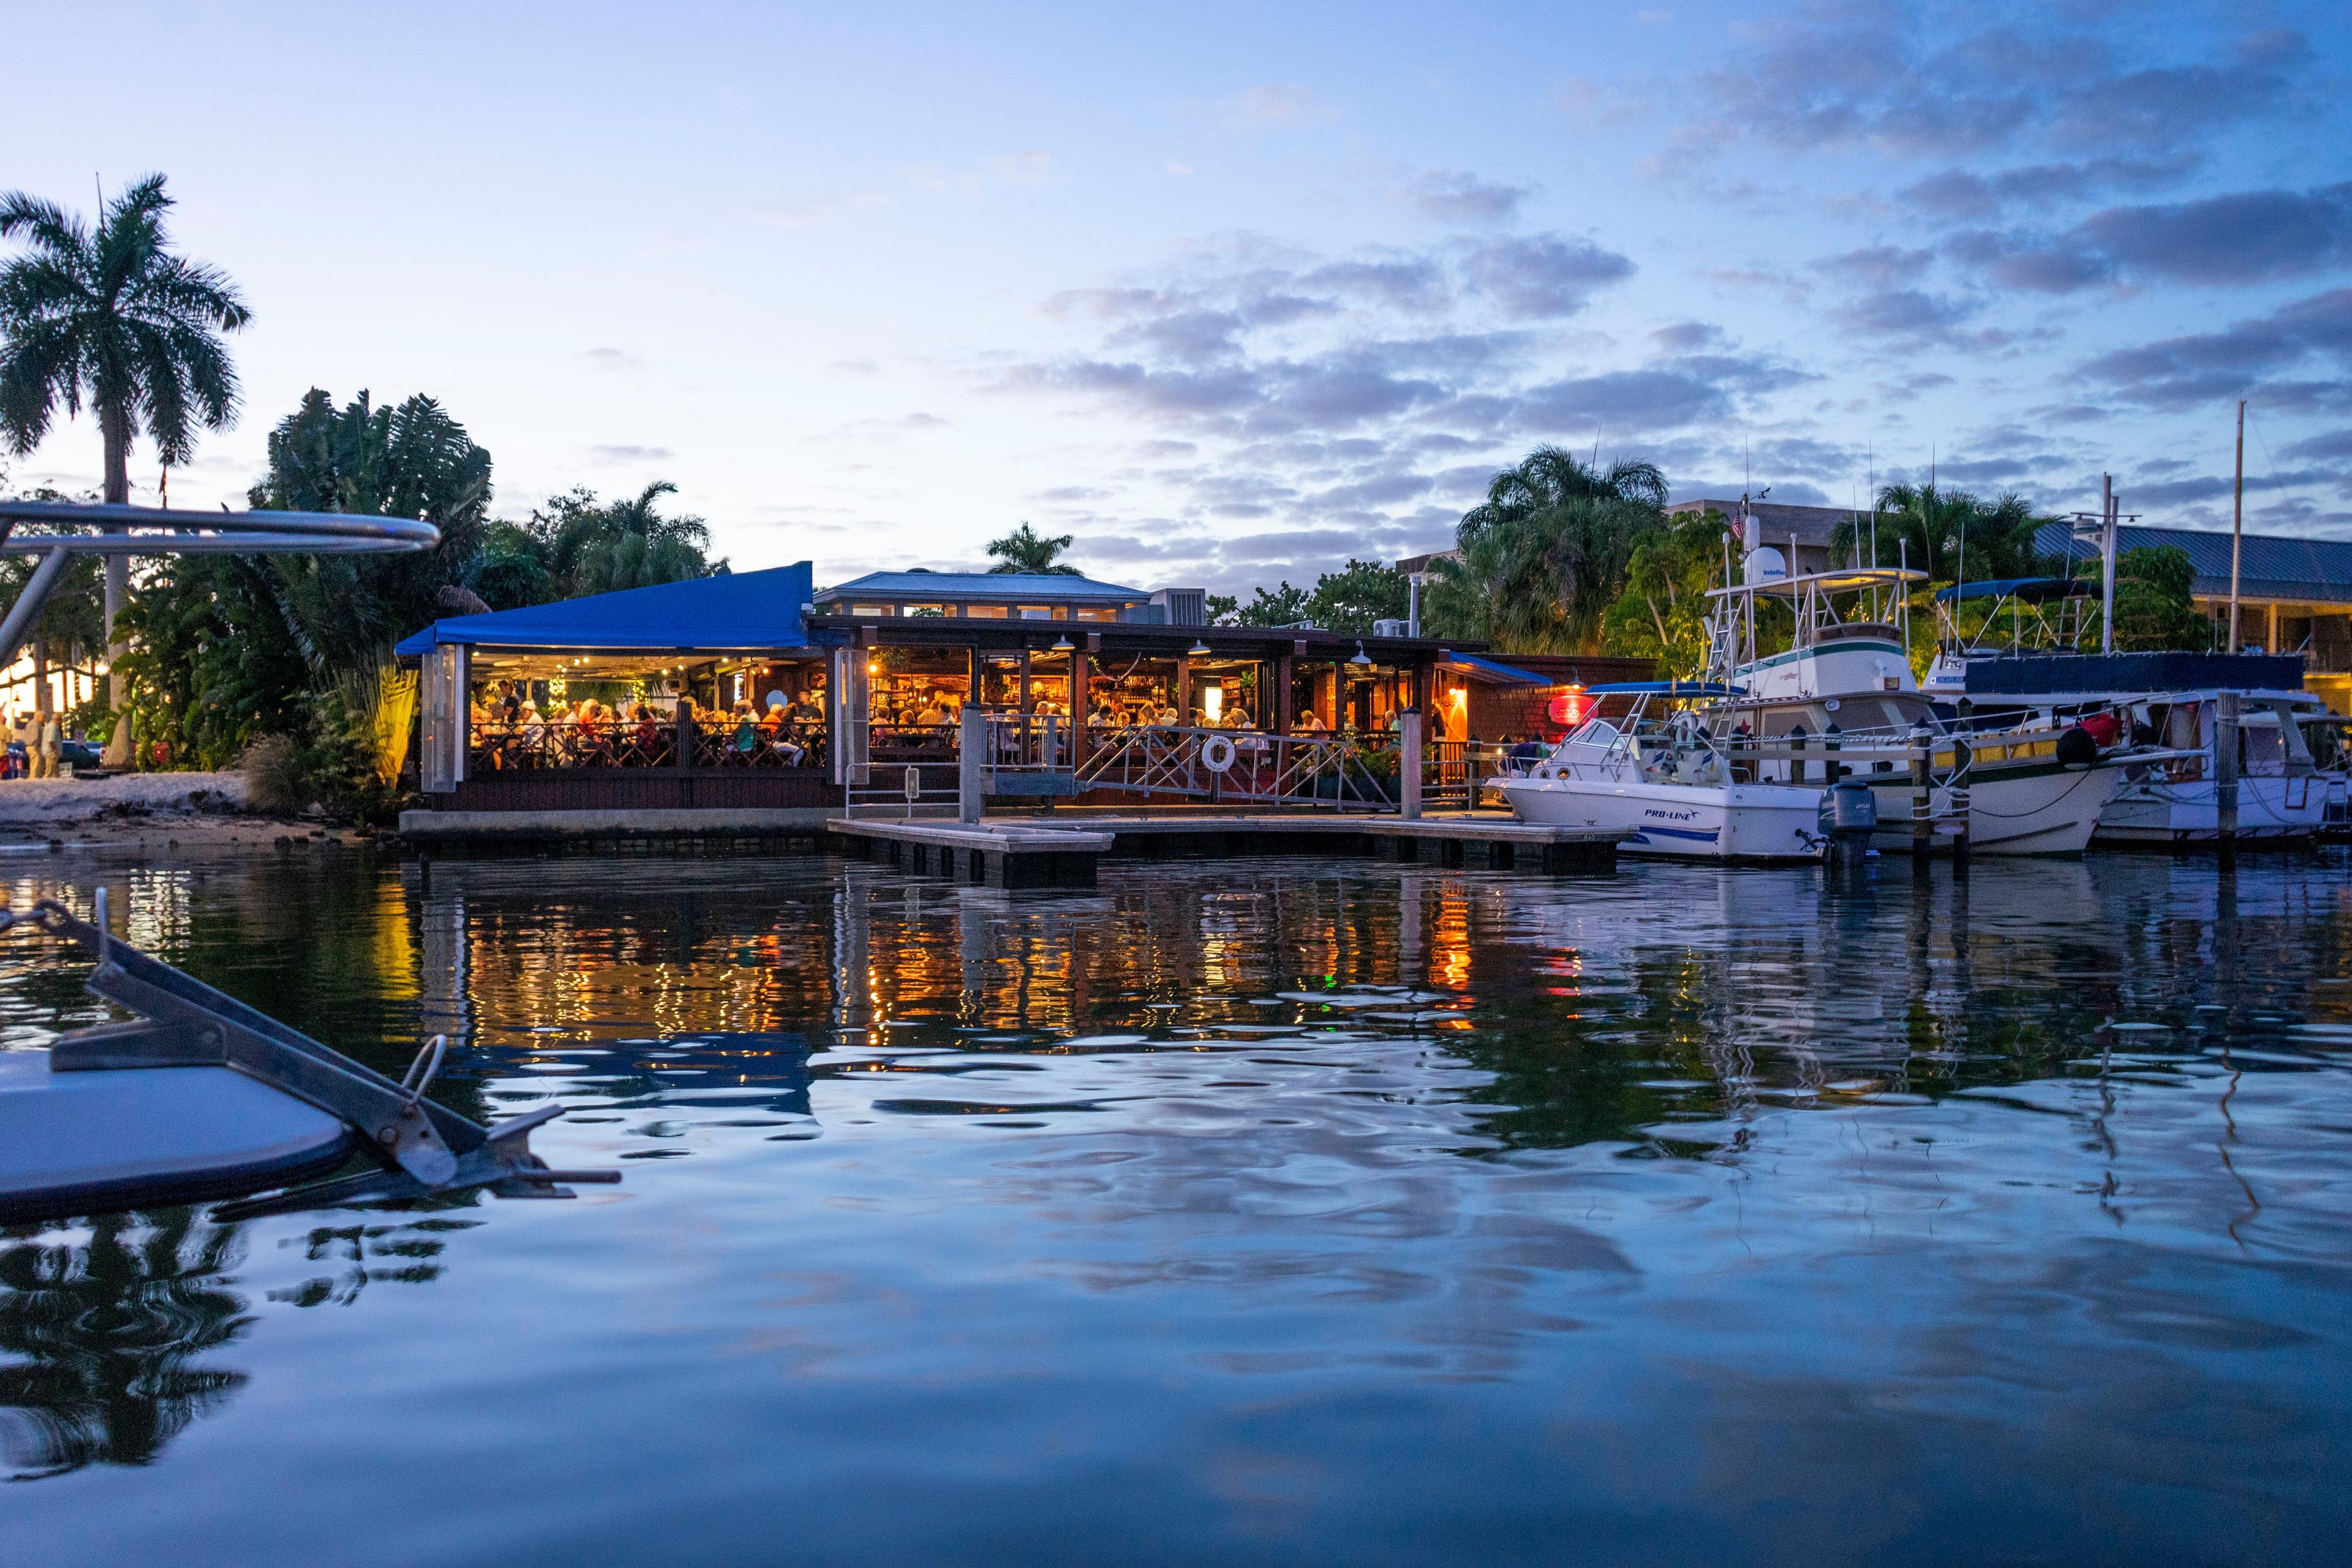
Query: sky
x=1233, y=293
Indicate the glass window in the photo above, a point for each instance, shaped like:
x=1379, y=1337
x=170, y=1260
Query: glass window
x=986, y=612
x=1097, y=614
x=870, y=609
x=924, y=612
x=1037, y=612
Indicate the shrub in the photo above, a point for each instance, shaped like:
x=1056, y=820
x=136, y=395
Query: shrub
x=275, y=781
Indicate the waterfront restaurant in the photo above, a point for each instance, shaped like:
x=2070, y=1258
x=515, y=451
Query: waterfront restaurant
x=753, y=690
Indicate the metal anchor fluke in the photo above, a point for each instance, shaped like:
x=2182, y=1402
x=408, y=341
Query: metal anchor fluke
x=426, y=1150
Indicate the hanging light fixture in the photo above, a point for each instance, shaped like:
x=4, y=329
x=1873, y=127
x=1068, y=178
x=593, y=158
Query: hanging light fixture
x=1199, y=650
x=1062, y=644
x=1362, y=659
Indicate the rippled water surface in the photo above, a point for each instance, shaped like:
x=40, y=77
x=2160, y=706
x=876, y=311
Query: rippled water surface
x=1258, y=1211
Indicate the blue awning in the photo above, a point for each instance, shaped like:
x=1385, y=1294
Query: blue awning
x=1492, y=672
x=1666, y=688
x=733, y=613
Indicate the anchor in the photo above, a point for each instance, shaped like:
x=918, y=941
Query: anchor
x=423, y=1148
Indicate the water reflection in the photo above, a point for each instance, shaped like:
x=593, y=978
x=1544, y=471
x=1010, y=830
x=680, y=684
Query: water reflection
x=1306, y=1203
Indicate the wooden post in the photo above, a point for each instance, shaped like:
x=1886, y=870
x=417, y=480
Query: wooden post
x=1082, y=672
x=1183, y=689
x=1962, y=755
x=2238, y=525
x=1409, y=764
x=971, y=751
x=1279, y=715
x=1024, y=677
x=2225, y=769
x=1923, y=804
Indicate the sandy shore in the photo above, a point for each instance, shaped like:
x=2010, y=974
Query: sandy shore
x=158, y=810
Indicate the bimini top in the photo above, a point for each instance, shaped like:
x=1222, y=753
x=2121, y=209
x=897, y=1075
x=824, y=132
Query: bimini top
x=2028, y=589
x=733, y=612
x=1837, y=580
x=1666, y=688
x=1493, y=671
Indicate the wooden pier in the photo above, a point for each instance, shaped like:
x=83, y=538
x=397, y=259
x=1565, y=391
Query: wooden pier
x=1030, y=853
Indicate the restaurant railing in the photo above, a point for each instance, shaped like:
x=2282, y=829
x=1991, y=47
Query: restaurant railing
x=713, y=741
x=1242, y=766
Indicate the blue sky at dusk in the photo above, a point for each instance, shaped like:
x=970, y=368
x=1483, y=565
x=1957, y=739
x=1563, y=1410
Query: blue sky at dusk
x=1234, y=294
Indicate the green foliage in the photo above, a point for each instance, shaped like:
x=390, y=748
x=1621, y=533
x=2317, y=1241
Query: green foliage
x=1539, y=563
x=1026, y=549
x=1951, y=535
x=2154, y=612
x=1348, y=600
x=1281, y=606
x=1363, y=591
x=1542, y=582
x=1551, y=476
x=577, y=545
x=111, y=318
x=1662, y=614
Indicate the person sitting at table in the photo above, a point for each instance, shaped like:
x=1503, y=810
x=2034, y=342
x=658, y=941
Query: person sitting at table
x=1168, y=716
x=1237, y=718
x=1308, y=723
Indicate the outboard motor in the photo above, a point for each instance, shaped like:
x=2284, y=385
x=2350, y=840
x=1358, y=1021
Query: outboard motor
x=1849, y=816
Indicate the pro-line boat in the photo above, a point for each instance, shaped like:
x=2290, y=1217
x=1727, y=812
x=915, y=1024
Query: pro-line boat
x=1668, y=783
x=1841, y=700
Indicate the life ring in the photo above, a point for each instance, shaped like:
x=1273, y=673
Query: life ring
x=1216, y=753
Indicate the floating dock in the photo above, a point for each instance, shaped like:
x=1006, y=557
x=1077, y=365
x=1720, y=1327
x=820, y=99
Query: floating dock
x=1028, y=852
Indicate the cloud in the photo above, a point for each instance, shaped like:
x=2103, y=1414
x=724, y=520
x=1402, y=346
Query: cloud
x=1025, y=168
x=2238, y=362
x=1878, y=267
x=1966, y=196
x=627, y=454
x=1689, y=337
x=1635, y=401
x=1464, y=198
x=613, y=359
x=2247, y=236
x=1544, y=277
x=1276, y=104
x=1907, y=314
x=1830, y=76
x=2334, y=446
x=813, y=211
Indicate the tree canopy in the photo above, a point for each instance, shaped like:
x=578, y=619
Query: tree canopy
x=1027, y=551
x=108, y=316
x=1349, y=600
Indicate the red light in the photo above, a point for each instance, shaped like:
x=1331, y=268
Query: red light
x=1571, y=707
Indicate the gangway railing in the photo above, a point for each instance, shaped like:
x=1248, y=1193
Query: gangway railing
x=1240, y=767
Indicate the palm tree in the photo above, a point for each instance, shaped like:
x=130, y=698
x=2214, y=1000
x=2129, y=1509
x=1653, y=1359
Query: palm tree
x=110, y=317
x=1026, y=549
x=1542, y=582
x=1951, y=535
x=594, y=548
x=1549, y=476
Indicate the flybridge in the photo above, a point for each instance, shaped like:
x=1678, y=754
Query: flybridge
x=1852, y=631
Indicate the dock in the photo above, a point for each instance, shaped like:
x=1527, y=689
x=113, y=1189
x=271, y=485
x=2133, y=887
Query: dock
x=996, y=855
x=1028, y=852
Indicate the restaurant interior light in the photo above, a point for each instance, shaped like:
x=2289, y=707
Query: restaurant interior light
x=1199, y=650
x=1063, y=644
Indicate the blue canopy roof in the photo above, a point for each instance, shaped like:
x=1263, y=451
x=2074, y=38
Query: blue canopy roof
x=1666, y=688
x=2031, y=590
x=727, y=613
x=980, y=586
x=1496, y=673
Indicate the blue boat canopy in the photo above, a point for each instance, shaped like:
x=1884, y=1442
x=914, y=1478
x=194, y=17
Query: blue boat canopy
x=734, y=612
x=1666, y=688
x=2030, y=590
x=1493, y=672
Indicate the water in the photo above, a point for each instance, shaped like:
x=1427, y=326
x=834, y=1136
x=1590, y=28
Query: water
x=1272, y=1211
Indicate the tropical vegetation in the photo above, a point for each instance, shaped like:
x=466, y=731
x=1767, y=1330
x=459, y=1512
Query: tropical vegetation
x=109, y=317
x=1349, y=600
x=1027, y=551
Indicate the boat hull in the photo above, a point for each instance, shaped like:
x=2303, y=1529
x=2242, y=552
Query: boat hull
x=2159, y=813
x=1679, y=822
x=2042, y=810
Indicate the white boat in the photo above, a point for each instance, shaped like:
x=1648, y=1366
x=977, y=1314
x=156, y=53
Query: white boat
x=1842, y=695
x=2282, y=795
x=1666, y=784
